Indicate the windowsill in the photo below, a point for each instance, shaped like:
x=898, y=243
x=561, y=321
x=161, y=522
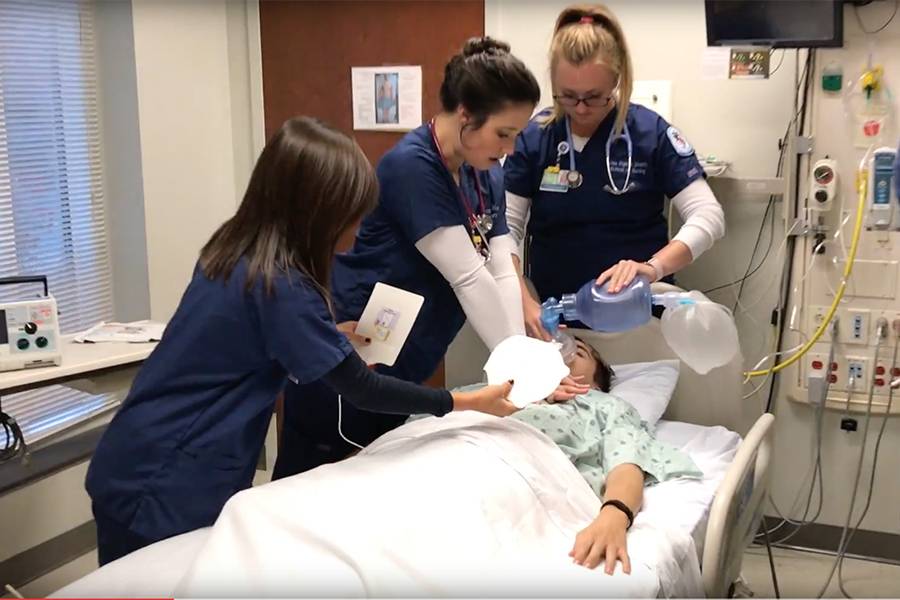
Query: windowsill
x=48, y=459
x=54, y=456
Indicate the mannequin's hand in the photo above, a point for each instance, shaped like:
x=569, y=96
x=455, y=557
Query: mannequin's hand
x=568, y=388
x=603, y=541
x=623, y=273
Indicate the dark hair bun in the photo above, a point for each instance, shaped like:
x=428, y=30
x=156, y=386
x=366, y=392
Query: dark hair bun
x=484, y=45
x=484, y=77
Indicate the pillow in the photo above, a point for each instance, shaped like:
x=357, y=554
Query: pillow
x=647, y=386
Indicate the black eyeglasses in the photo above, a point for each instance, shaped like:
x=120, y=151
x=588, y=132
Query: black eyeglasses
x=593, y=101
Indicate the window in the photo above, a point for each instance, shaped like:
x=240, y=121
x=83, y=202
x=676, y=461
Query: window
x=51, y=184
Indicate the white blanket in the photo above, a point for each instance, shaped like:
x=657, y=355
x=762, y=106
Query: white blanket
x=465, y=505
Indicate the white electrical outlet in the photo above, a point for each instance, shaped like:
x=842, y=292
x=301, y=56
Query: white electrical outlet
x=858, y=368
x=890, y=317
x=816, y=317
x=854, y=327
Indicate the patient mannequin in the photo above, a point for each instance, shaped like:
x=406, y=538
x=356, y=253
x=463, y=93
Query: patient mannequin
x=589, y=367
x=616, y=453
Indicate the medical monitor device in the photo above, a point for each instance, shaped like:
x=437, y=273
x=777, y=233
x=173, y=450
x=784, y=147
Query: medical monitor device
x=29, y=330
x=823, y=186
x=775, y=23
x=881, y=186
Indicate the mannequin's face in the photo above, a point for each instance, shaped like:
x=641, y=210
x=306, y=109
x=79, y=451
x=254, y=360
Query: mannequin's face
x=584, y=364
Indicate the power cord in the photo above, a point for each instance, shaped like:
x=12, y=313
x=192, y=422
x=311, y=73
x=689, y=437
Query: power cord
x=817, y=471
x=771, y=564
x=880, y=29
x=887, y=413
x=340, y=432
x=781, y=60
x=788, y=265
x=844, y=541
x=14, y=442
x=779, y=169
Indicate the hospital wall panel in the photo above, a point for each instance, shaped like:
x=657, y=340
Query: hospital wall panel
x=872, y=292
x=741, y=122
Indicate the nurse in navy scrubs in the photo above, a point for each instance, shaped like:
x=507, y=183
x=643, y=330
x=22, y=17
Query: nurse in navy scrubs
x=439, y=231
x=587, y=182
x=255, y=314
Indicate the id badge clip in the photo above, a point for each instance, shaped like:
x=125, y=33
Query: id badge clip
x=480, y=240
x=555, y=179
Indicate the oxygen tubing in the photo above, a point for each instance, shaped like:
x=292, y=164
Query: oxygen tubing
x=862, y=187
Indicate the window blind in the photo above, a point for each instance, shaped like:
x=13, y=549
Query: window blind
x=51, y=185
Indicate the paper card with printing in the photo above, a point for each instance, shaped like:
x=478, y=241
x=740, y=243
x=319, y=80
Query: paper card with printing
x=387, y=321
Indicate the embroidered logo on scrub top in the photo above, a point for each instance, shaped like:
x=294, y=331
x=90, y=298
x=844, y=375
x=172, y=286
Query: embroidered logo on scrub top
x=638, y=167
x=679, y=143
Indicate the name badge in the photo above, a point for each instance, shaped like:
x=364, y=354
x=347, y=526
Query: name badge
x=555, y=180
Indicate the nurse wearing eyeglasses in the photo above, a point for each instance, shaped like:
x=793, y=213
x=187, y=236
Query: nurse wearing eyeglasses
x=585, y=188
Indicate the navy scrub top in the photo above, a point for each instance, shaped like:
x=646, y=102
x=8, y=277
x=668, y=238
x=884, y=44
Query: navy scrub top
x=578, y=234
x=418, y=195
x=189, y=434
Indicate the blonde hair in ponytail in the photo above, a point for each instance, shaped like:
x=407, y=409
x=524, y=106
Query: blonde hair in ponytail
x=588, y=32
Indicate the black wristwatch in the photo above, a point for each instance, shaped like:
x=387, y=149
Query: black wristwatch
x=623, y=507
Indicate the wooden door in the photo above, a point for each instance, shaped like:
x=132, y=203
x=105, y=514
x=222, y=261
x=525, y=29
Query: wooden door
x=308, y=48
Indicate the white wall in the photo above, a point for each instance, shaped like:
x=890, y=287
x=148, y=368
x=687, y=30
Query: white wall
x=738, y=121
x=181, y=96
x=188, y=113
x=122, y=160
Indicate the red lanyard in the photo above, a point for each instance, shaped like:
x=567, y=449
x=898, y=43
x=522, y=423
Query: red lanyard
x=459, y=188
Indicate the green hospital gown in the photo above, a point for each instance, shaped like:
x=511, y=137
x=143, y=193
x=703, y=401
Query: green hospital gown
x=599, y=431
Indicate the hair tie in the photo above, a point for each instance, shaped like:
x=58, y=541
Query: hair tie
x=587, y=19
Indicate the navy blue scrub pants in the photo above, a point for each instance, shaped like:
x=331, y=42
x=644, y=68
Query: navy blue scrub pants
x=309, y=436
x=115, y=540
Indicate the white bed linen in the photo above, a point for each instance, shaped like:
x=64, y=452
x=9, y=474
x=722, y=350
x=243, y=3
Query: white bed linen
x=361, y=527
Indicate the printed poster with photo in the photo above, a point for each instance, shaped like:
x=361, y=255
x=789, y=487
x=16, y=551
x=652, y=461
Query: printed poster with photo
x=387, y=98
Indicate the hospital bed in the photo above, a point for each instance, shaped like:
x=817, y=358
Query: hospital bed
x=472, y=505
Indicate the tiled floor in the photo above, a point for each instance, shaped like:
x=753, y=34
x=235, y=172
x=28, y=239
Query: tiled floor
x=800, y=575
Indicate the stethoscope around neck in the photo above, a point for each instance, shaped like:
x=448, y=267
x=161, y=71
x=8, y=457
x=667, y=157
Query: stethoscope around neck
x=575, y=178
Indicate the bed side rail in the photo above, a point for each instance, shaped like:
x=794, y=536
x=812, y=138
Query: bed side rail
x=734, y=515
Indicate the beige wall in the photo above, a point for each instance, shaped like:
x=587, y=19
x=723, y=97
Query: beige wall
x=193, y=100
x=795, y=421
x=753, y=113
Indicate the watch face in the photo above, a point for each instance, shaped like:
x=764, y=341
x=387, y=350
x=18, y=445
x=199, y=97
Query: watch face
x=823, y=175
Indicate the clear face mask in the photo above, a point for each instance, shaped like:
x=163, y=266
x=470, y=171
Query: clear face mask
x=566, y=343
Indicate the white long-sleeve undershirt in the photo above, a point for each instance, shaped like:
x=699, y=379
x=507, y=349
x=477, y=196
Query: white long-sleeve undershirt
x=701, y=213
x=488, y=292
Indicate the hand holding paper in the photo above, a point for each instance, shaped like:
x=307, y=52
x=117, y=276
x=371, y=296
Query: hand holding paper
x=386, y=321
x=537, y=368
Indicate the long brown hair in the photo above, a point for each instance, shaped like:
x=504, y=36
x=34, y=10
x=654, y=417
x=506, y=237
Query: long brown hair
x=310, y=183
x=587, y=32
